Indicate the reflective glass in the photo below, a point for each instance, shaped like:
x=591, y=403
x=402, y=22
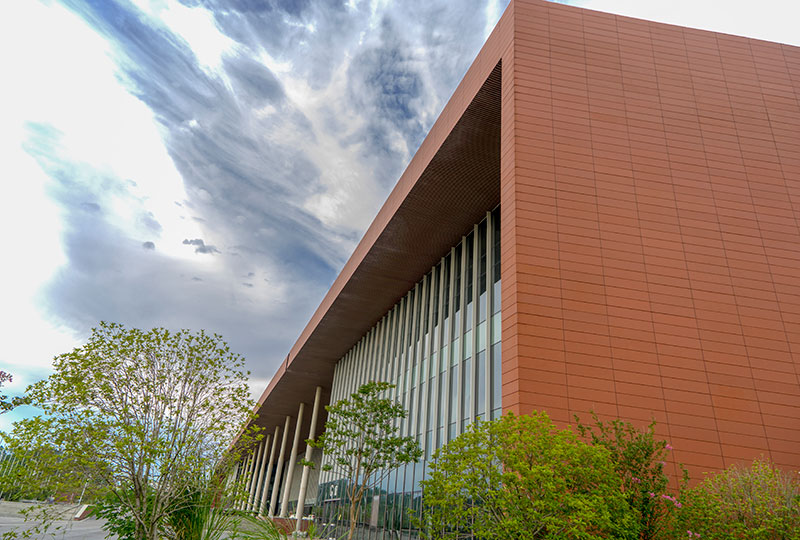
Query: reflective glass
x=454, y=393
x=466, y=402
x=442, y=400
x=419, y=341
x=480, y=383
x=481, y=336
x=481, y=272
x=497, y=377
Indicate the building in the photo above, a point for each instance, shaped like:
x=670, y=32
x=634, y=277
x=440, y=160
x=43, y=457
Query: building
x=606, y=216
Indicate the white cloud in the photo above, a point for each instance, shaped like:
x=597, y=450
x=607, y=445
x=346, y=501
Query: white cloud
x=66, y=79
x=196, y=26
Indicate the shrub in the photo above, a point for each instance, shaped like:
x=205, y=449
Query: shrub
x=759, y=502
x=639, y=458
x=521, y=477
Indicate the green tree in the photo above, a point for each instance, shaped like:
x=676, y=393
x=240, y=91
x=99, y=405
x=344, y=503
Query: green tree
x=639, y=458
x=361, y=442
x=521, y=477
x=41, y=469
x=7, y=404
x=759, y=502
x=4, y=403
x=146, y=415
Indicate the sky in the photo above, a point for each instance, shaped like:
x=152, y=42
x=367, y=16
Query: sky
x=211, y=164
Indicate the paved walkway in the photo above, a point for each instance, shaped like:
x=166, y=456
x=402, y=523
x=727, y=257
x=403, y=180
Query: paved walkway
x=88, y=529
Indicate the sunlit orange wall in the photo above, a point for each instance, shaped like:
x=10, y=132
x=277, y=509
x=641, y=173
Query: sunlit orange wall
x=650, y=196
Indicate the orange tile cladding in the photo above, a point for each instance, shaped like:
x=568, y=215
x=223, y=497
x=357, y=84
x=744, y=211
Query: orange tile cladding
x=650, y=195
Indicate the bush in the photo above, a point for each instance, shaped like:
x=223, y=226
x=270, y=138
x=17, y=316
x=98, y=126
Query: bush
x=759, y=502
x=639, y=459
x=521, y=477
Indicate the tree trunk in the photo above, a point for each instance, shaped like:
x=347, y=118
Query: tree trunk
x=353, y=512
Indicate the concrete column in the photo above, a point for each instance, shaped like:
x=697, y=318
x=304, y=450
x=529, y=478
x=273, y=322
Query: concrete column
x=276, y=485
x=263, y=498
x=260, y=475
x=249, y=479
x=246, y=479
x=234, y=478
x=292, y=462
x=231, y=479
x=301, y=498
x=251, y=491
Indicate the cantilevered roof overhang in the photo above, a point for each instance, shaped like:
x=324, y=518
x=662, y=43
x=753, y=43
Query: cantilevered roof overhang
x=449, y=185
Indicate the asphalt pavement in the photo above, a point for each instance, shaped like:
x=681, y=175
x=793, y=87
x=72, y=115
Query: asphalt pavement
x=61, y=529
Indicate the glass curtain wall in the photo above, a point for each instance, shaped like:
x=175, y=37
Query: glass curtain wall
x=440, y=346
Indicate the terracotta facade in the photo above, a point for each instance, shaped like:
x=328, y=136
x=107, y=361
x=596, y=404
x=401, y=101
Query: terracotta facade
x=651, y=250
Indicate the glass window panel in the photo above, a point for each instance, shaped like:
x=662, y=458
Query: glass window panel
x=410, y=408
x=480, y=383
x=435, y=294
x=497, y=326
x=466, y=402
x=446, y=286
x=457, y=280
x=431, y=399
x=469, y=266
x=496, y=260
x=415, y=329
x=423, y=308
x=429, y=444
x=442, y=400
x=497, y=377
x=482, y=271
x=423, y=408
x=453, y=393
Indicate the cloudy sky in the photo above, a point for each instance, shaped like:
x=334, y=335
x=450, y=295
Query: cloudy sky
x=212, y=163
